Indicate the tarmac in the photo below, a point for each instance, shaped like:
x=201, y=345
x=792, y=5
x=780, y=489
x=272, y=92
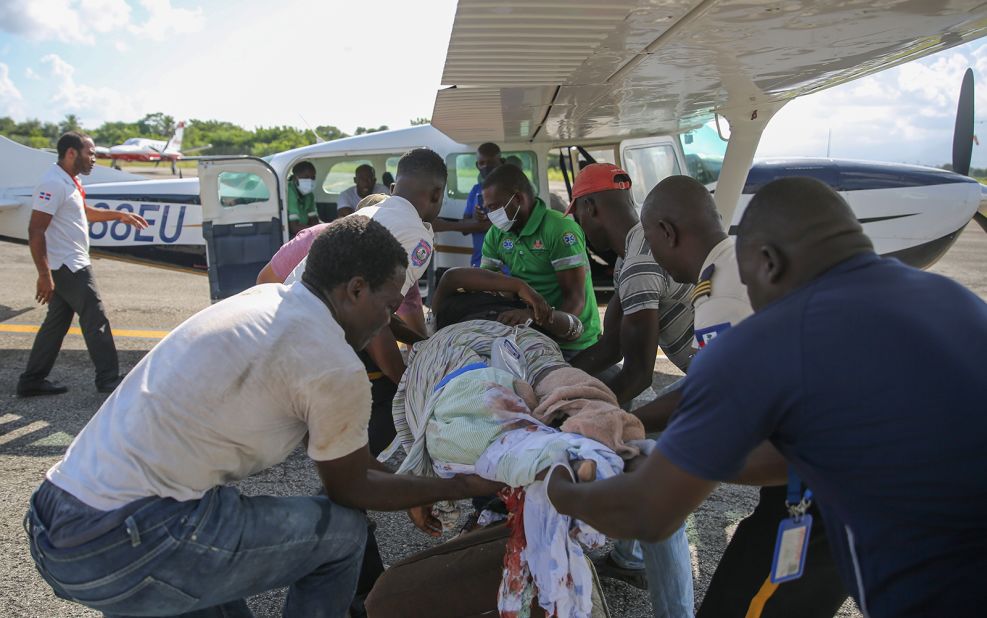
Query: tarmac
x=144, y=303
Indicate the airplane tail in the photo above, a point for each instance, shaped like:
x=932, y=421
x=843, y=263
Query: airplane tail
x=175, y=143
x=23, y=167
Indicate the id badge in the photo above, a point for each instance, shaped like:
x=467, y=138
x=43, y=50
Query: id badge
x=791, y=547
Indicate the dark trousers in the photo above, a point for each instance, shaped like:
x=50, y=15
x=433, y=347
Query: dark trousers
x=743, y=571
x=75, y=293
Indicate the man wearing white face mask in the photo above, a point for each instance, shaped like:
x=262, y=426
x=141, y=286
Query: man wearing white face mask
x=301, y=199
x=543, y=248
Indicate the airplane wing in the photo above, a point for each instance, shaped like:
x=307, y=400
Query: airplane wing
x=562, y=70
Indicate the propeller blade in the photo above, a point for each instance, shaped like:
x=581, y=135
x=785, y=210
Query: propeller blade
x=963, y=131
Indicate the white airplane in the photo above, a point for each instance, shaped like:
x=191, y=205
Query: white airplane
x=630, y=82
x=146, y=150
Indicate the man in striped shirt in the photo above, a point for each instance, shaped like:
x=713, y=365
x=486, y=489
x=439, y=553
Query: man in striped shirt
x=648, y=310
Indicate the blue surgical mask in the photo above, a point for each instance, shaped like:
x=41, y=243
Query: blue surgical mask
x=499, y=217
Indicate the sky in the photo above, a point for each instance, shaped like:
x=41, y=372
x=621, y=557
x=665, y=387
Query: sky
x=378, y=62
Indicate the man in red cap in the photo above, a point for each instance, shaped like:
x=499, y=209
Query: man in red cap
x=648, y=310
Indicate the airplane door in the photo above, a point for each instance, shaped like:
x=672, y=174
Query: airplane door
x=241, y=221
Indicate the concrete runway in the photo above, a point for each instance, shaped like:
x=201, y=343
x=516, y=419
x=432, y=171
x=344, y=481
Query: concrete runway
x=35, y=432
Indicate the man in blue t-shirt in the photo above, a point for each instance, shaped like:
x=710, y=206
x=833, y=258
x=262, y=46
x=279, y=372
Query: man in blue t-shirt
x=857, y=373
x=474, y=221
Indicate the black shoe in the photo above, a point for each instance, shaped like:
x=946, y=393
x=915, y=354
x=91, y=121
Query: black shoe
x=606, y=567
x=44, y=387
x=112, y=385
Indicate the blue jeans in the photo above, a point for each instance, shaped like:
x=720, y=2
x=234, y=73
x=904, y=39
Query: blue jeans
x=668, y=565
x=203, y=557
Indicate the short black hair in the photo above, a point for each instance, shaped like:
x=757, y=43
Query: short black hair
x=424, y=164
x=488, y=149
x=510, y=178
x=365, y=166
x=303, y=166
x=353, y=247
x=73, y=140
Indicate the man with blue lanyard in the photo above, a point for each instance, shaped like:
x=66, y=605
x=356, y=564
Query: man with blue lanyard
x=683, y=229
x=890, y=439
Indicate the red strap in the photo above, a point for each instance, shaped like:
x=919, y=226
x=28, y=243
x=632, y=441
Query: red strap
x=77, y=184
x=81, y=190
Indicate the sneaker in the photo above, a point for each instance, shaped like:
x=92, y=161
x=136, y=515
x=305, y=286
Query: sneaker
x=606, y=567
x=44, y=387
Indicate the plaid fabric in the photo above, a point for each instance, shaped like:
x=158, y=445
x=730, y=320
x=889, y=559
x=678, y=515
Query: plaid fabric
x=450, y=349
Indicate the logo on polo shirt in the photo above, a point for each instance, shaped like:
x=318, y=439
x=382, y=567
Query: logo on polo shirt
x=538, y=244
x=508, y=244
x=421, y=253
x=569, y=238
x=45, y=196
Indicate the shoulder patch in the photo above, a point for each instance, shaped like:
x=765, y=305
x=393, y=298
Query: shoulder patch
x=569, y=238
x=419, y=257
x=508, y=244
x=705, y=335
x=705, y=285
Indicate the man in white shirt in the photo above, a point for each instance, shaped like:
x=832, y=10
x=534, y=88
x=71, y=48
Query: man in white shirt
x=58, y=235
x=138, y=518
x=365, y=183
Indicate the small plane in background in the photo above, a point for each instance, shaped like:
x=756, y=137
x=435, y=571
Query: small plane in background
x=147, y=150
x=640, y=85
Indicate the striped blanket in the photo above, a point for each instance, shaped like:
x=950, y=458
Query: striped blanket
x=452, y=348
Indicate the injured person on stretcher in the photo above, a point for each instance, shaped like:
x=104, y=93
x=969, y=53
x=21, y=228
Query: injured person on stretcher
x=499, y=401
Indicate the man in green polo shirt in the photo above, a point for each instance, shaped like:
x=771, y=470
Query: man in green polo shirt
x=541, y=247
x=301, y=199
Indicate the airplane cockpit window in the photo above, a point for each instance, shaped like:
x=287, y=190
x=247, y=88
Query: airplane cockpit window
x=236, y=188
x=463, y=174
x=704, y=151
x=647, y=166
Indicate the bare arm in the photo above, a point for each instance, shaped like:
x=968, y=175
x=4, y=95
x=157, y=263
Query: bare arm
x=606, y=351
x=39, y=253
x=656, y=414
x=383, y=349
x=464, y=226
x=638, y=346
x=764, y=466
x=649, y=503
x=408, y=328
x=573, y=284
x=353, y=482
x=267, y=275
x=105, y=214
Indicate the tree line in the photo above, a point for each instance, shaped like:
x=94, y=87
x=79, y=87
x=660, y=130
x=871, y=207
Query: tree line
x=213, y=137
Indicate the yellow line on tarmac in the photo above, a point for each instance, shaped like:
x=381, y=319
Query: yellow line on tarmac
x=28, y=329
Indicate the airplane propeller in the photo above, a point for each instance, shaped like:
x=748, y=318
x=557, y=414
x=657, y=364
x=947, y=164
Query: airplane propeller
x=963, y=131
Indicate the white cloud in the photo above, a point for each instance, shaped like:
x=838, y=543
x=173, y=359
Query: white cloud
x=165, y=20
x=121, y=46
x=30, y=74
x=905, y=114
x=94, y=104
x=68, y=21
x=10, y=97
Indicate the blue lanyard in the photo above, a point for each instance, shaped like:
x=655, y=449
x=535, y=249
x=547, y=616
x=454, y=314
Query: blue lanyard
x=796, y=501
x=455, y=374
